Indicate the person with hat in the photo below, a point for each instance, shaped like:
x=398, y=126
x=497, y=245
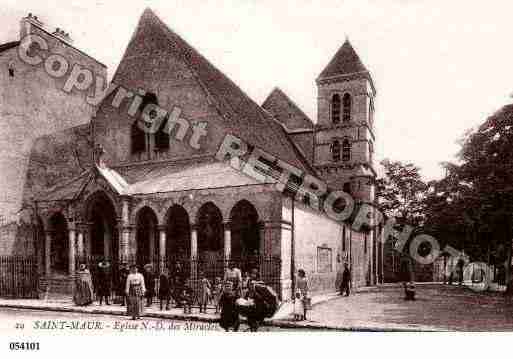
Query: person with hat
x=164, y=289
x=229, y=311
x=123, y=274
x=104, y=281
x=149, y=280
x=83, y=287
x=134, y=290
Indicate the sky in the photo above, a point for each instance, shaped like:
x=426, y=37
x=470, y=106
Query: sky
x=440, y=67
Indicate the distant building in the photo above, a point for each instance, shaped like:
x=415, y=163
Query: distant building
x=99, y=186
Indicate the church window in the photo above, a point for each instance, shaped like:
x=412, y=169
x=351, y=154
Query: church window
x=346, y=111
x=335, y=109
x=11, y=72
x=347, y=187
x=346, y=150
x=335, y=150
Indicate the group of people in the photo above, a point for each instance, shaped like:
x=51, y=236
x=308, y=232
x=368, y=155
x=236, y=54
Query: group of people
x=231, y=295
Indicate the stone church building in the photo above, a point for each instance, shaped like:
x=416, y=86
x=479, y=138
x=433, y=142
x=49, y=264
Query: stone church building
x=95, y=185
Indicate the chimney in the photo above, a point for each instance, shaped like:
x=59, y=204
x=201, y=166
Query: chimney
x=27, y=22
x=63, y=35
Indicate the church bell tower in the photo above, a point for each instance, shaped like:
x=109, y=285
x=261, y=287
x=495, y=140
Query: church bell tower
x=344, y=133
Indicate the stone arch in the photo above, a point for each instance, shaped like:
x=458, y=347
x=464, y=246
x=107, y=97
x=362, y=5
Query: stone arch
x=146, y=236
x=89, y=200
x=178, y=233
x=245, y=232
x=101, y=213
x=141, y=205
x=209, y=222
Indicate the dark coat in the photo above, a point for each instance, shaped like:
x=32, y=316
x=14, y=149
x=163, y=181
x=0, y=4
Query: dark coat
x=229, y=312
x=104, y=281
x=346, y=276
x=149, y=282
x=165, y=286
x=123, y=274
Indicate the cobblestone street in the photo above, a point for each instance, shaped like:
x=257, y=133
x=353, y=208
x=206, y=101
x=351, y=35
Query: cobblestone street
x=437, y=307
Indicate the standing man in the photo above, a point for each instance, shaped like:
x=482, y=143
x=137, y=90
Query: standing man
x=346, y=280
x=104, y=281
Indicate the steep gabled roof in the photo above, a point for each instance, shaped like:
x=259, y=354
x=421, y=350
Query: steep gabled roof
x=286, y=111
x=345, y=62
x=8, y=45
x=238, y=114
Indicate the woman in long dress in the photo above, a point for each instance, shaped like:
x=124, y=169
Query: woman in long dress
x=135, y=291
x=83, y=287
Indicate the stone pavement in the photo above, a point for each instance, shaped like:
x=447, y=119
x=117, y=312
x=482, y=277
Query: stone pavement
x=438, y=307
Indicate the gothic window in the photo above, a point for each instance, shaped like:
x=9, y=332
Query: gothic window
x=335, y=150
x=346, y=103
x=346, y=150
x=347, y=187
x=138, y=137
x=335, y=109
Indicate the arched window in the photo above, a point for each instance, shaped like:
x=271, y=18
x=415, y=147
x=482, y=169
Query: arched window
x=335, y=109
x=346, y=150
x=138, y=138
x=346, y=111
x=335, y=150
x=347, y=187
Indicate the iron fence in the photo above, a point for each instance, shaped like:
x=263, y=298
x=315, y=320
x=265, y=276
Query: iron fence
x=185, y=270
x=18, y=277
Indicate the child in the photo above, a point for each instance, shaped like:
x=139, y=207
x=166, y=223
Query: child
x=229, y=310
x=204, y=295
x=299, y=310
x=216, y=292
x=302, y=287
x=245, y=284
x=186, y=299
x=164, y=289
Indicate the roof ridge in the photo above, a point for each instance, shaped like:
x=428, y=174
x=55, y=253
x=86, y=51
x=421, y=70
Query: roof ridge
x=345, y=62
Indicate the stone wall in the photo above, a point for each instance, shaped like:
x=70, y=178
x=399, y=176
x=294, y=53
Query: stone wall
x=320, y=251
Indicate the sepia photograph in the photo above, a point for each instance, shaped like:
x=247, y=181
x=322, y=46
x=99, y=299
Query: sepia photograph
x=182, y=167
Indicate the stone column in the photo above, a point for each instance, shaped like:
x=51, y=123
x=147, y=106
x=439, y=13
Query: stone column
x=125, y=231
x=162, y=247
x=227, y=241
x=194, y=249
x=48, y=243
x=87, y=239
x=80, y=244
x=71, y=247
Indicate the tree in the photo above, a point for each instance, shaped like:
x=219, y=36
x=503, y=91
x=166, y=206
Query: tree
x=487, y=168
x=401, y=192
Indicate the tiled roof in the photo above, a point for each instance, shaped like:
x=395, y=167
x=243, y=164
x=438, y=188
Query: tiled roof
x=345, y=62
x=198, y=176
x=238, y=114
x=162, y=178
x=8, y=45
x=286, y=111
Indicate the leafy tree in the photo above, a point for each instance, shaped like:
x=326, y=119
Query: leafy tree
x=401, y=192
